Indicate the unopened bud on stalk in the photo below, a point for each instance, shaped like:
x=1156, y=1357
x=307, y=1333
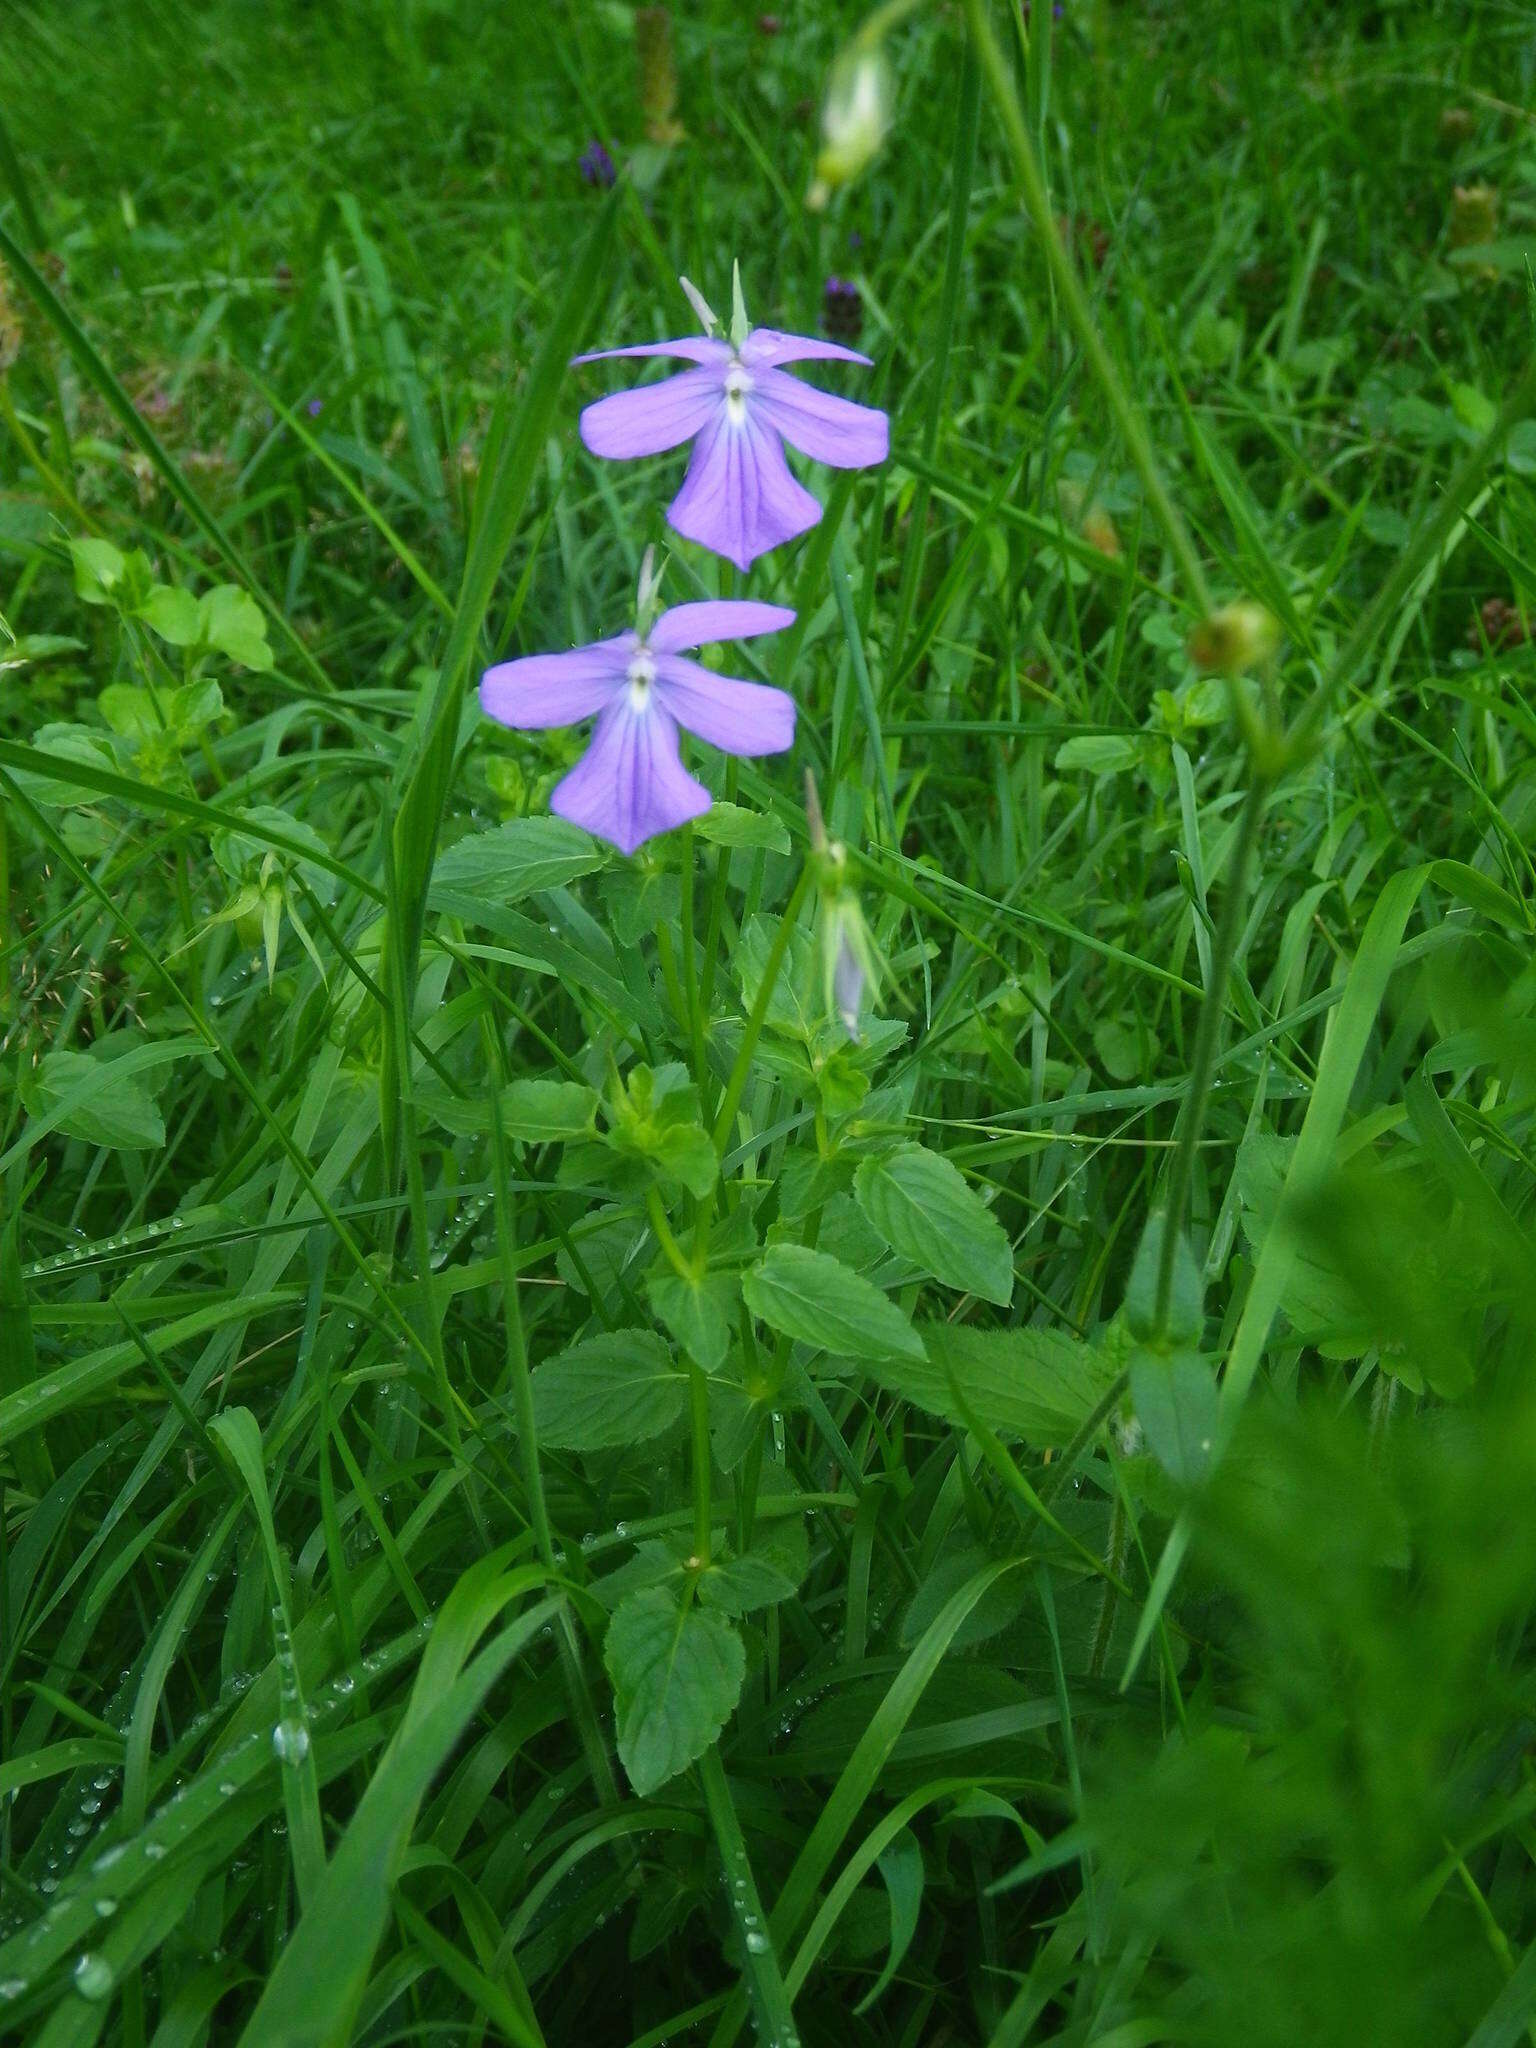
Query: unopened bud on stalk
x=850, y=959
x=855, y=119
x=1235, y=640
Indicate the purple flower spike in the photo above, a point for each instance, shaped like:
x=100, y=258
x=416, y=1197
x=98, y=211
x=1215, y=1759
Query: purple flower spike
x=738, y=407
x=631, y=783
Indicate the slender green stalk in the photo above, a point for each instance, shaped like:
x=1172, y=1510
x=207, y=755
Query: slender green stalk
x=1074, y=301
x=1207, y=1038
x=512, y=1309
x=967, y=121
x=701, y=1460
x=772, y=968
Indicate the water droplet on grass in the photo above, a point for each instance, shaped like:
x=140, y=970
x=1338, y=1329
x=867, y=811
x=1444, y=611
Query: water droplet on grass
x=93, y=1976
x=290, y=1740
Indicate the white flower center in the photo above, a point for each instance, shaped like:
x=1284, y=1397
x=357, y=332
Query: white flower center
x=738, y=383
x=642, y=673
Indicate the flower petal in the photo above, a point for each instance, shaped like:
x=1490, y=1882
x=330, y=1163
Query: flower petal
x=696, y=348
x=630, y=784
x=540, y=690
x=738, y=497
x=736, y=717
x=828, y=429
x=766, y=346
x=652, y=417
x=697, y=625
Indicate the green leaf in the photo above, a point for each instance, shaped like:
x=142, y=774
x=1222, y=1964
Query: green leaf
x=66, y=743
x=1186, y=1295
x=733, y=825
x=1035, y=1386
x=1000, y=1608
x=697, y=1312
x=174, y=614
x=813, y=1297
x=1175, y=1399
x=230, y=621
x=83, y=1095
x=538, y=1111
x=99, y=569
x=676, y=1679
x=901, y=1865
x=130, y=711
x=792, y=1008
x=683, y=1152
x=1098, y=754
x=923, y=1208
x=620, y=1388
x=513, y=860
x=770, y=1571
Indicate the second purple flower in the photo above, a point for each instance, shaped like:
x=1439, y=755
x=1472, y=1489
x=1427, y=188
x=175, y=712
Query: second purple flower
x=631, y=783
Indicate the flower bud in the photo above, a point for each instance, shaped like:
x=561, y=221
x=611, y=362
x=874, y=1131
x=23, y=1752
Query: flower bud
x=1235, y=640
x=855, y=120
x=1474, y=215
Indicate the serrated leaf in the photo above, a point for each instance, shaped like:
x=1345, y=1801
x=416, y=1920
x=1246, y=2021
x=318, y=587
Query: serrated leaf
x=737, y=1585
x=94, y=1098
x=512, y=860
x=815, y=1298
x=697, y=1312
x=676, y=1677
x=1035, y=1386
x=923, y=1208
x=621, y=1388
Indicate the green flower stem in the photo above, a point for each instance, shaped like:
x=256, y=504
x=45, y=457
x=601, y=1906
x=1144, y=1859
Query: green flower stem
x=1074, y=300
x=691, y=1002
x=736, y=1085
x=1207, y=1037
x=676, y=1257
x=512, y=1307
x=702, y=1459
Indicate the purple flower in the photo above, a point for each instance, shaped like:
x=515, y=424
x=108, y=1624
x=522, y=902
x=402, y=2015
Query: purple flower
x=738, y=407
x=596, y=165
x=631, y=783
x=316, y=407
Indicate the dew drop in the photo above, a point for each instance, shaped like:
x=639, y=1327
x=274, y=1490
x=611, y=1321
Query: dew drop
x=154, y=1851
x=290, y=1740
x=12, y=1987
x=93, y=1976
x=105, y=1908
x=757, y=1941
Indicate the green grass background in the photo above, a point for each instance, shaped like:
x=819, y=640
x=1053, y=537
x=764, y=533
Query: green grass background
x=1064, y=1735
